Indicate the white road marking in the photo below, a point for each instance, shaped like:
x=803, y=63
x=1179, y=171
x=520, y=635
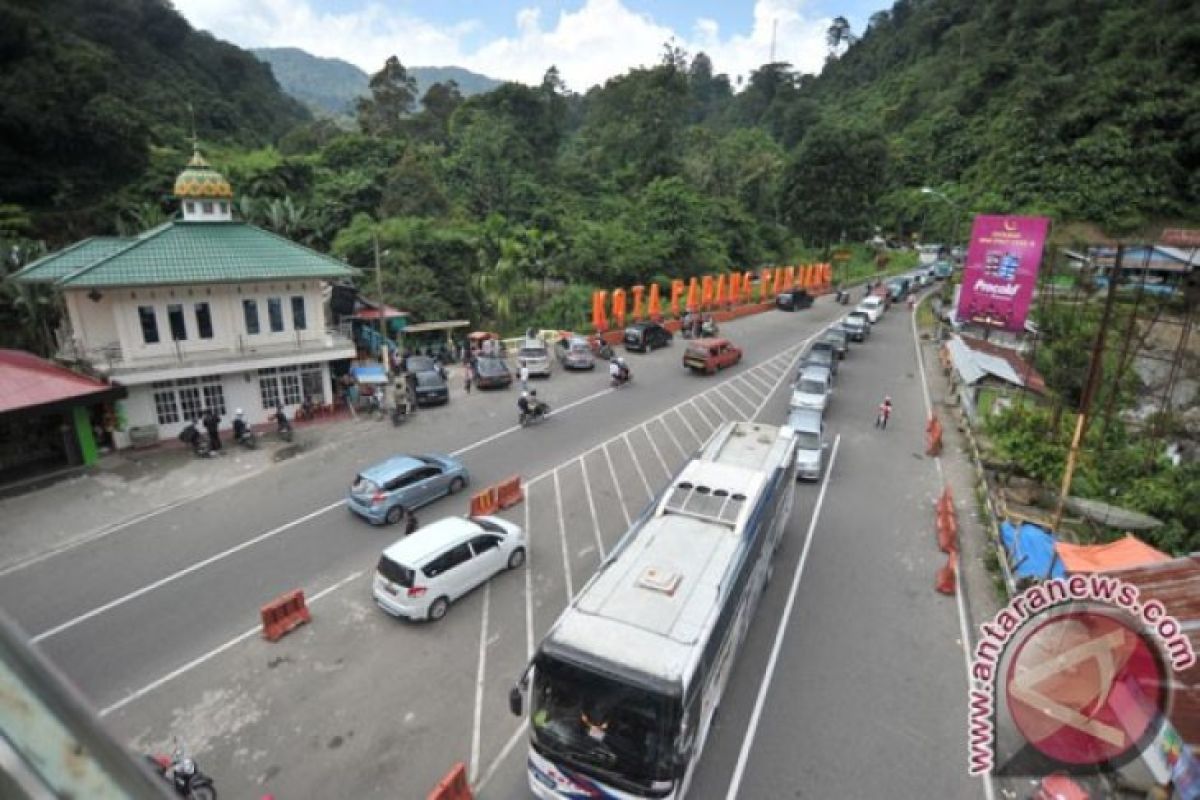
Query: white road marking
x=174, y=576
x=500, y=434
x=738, y=413
x=477, y=726
x=748, y=742
x=717, y=409
x=562, y=536
x=490, y=772
x=679, y=413
x=587, y=488
x=753, y=375
x=637, y=464
x=93, y=536
x=620, y=495
x=216, y=651
x=732, y=386
x=964, y=627
x=654, y=447
x=700, y=411
x=663, y=421
x=528, y=583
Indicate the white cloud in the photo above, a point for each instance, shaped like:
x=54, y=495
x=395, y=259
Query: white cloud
x=598, y=40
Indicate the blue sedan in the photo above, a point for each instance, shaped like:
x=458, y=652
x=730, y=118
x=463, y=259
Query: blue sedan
x=386, y=492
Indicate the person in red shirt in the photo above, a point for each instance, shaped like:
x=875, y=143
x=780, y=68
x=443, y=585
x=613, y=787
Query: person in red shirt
x=885, y=411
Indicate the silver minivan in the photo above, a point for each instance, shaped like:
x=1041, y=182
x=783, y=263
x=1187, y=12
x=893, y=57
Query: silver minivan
x=811, y=389
x=809, y=428
x=536, y=356
x=419, y=576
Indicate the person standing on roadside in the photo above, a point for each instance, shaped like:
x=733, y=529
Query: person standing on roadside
x=523, y=373
x=212, y=424
x=466, y=373
x=885, y=412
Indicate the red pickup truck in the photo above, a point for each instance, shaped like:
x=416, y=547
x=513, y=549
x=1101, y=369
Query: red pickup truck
x=710, y=355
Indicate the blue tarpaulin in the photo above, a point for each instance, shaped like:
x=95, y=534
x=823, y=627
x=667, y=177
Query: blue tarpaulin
x=369, y=373
x=1031, y=551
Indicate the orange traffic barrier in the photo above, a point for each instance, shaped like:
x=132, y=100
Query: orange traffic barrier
x=485, y=502
x=946, y=576
x=454, y=786
x=283, y=614
x=509, y=493
x=933, y=436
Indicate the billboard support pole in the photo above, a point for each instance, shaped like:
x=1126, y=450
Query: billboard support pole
x=1089, y=389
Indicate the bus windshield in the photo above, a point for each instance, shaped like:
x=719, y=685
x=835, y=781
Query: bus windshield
x=619, y=733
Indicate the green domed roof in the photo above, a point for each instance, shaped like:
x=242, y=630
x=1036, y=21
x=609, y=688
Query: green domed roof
x=199, y=180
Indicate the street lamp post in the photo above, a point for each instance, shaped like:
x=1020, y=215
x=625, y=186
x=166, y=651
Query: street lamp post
x=953, y=205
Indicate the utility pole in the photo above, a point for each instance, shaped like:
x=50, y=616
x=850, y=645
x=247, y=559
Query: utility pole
x=379, y=294
x=1095, y=371
x=774, y=30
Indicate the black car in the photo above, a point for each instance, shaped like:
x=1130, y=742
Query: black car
x=646, y=336
x=821, y=354
x=838, y=338
x=492, y=373
x=857, y=326
x=793, y=300
x=417, y=364
x=430, y=388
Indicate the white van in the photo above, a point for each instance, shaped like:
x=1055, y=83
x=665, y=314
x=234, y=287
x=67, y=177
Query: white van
x=419, y=576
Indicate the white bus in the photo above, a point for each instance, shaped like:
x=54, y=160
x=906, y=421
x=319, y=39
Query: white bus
x=623, y=687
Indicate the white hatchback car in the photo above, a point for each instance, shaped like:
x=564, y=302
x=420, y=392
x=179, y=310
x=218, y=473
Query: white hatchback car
x=419, y=576
x=872, y=307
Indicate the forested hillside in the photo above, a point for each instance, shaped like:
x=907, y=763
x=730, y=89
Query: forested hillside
x=331, y=86
x=89, y=87
x=489, y=205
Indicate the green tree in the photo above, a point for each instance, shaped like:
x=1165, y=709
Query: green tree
x=393, y=97
x=831, y=183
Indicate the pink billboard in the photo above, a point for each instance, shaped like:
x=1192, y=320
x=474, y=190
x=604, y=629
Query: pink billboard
x=1001, y=270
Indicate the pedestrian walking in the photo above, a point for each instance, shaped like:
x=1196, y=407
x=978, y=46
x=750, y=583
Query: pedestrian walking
x=523, y=374
x=885, y=412
x=212, y=424
x=466, y=372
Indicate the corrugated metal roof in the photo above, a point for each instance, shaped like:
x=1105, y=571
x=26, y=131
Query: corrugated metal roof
x=206, y=252
x=964, y=361
x=51, y=267
x=975, y=358
x=27, y=381
x=1176, y=584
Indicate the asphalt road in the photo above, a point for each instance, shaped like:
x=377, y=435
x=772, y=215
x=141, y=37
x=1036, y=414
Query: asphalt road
x=157, y=623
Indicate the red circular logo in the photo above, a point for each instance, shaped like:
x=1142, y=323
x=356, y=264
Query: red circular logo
x=1085, y=687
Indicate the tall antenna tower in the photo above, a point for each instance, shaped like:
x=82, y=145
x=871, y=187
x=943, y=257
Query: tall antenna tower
x=774, y=30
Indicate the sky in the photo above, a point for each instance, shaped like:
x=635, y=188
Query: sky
x=588, y=40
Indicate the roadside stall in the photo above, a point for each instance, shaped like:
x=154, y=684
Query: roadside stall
x=435, y=337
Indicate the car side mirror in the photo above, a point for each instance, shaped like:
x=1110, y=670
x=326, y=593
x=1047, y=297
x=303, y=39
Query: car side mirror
x=516, y=703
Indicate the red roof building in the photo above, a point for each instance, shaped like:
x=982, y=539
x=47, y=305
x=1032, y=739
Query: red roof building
x=34, y=385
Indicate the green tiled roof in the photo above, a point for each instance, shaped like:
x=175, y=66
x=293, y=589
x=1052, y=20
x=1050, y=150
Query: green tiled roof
x=206, y=252
x=51, y=267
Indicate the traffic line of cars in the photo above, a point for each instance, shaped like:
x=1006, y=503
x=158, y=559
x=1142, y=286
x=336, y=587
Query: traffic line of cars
x=813, y=387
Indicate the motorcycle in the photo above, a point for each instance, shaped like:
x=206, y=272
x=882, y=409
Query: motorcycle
x=247, y=440
x=181, y=771
x=191, y=436
x=843, y=296
x=602, y=349
x=618, y=381
x=537, y=413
